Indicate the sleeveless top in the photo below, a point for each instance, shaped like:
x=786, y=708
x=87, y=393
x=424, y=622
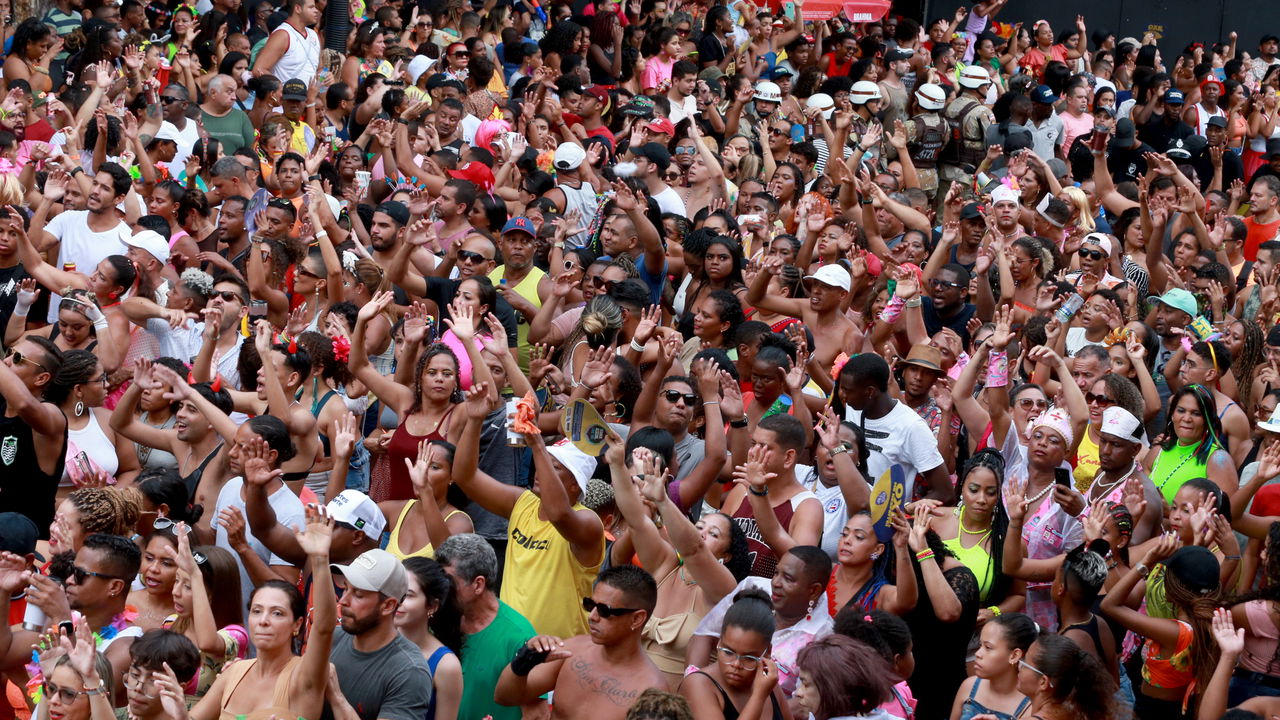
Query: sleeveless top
x=763, y=560
x=544, y=580
x=235, y=643
x=972, y=707
x=976, y=558
x=1175, y=466
x=666, y=638
x=279, y=704
x=192, y=481
x=582, y=199
x=92, y=440
x=1202, y=117
x=152, y=458
x=301, y=59
x=404, y=446
x=731, y=710
x=432, y=663
x=393, y=543
x=25, y=487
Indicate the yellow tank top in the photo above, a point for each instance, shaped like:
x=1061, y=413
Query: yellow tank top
x=393, y=543
x=542, y=580
x=1086, y=465
x=527, y=289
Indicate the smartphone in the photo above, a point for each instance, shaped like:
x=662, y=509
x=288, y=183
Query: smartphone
x=68, y=628
x=257, y=309
x=84, y=466
x=1062, y=476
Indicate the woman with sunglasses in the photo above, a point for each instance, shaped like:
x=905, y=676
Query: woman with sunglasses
x=71, y=670
x=199, y=437
x=1065, y=682
x=743, y=680
x=95, y=451
x=77, y=328
x=1108, y=390
x=705, y=176
x=206, y=605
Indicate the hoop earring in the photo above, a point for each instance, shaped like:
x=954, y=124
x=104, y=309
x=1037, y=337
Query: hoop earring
x=79, y=409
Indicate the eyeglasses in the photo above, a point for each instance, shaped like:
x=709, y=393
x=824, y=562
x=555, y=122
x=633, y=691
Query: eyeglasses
x=747, y=662
x=1086, y=253
x=1101, y=400
x=228, y=295
x=601, y=284
x=167, y=100
x=673, y=395
x=65, y=694
x=1034, y=669
x=103, y=378
x=138, y=679
x=605, y=611
x=944, y=284
x=80, y=574
x=1028, y=403
x=19, y=358
x=474, y=258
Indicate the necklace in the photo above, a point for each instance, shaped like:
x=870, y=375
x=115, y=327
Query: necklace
x=1106, y=487
x=1031, y=501
x=966, y=530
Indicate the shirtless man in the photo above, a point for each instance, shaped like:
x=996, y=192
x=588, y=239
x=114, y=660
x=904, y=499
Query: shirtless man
x=598, y=675
x=833, y=333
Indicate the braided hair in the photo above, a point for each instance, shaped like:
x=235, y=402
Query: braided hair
x=991, y=459
x=110, y=510
x=1246, y=362
x=77, y=369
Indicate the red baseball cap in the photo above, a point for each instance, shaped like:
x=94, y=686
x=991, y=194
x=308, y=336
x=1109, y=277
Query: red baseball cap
x=662, y=126
x=476, y=172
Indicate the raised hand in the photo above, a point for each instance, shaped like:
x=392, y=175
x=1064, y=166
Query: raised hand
x=650, y=319
x=462, y=321
x=495, y=342
x=753, y=472
x=478, y=401
x=257, y=467
x=418, y=469
x=317, y=536
x=596, y=371
x=1230, y=639
x=345, y=436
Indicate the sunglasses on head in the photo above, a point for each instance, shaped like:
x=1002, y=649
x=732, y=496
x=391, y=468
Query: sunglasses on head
x=673, y=395
x=1086, y=253
x=474, y=258
x=605, y=611
x=1101, y=400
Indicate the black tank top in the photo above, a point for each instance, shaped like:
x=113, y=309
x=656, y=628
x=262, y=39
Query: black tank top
x=24, y=487
x=731, y=710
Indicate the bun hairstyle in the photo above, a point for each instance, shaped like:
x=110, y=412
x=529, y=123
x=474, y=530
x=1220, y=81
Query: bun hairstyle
x=752, y=610
x=600, y=321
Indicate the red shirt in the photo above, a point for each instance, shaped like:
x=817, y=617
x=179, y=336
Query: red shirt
x=1258, y=234
x=835, y=69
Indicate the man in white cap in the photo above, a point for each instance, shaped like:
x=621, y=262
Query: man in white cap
x=358, y=526
x=149, y=253
x=1005, y=201
x=764, y=100
x=1095, y=265
x=970, y=115
x=833, y=333
x=382, y=674
x=1120, y=438
x=555, y=545
x=575, y=188
x=928, y=135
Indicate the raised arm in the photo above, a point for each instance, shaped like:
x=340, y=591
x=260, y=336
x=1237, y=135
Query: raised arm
x=498, y=498
x=306, y=689
x=396, y=396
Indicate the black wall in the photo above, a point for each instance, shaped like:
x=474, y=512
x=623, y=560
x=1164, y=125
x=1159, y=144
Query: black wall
x=1182, y=21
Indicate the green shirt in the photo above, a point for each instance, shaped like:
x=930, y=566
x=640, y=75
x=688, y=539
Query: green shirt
x=234, y=130
x=484, y=656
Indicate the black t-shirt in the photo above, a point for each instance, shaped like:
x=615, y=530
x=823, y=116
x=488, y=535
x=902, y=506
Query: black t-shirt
x=9, y=279
x=1127, y=164
x=710, y=50
x=959, y=322
x=1232, y=169
x=441, y=291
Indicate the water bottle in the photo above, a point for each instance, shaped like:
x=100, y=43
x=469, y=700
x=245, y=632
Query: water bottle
x=514, y=439
x=33, y=619
x=1068, y=308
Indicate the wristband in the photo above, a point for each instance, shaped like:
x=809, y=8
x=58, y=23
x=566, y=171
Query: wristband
x=998, y=369
x=100, y=324
x=526, y=659
x=636, y=346
x=22, y=307
x=995, y=610
x=761, y=493
x=914, y=302
x=893, y=310
x=740, y=423
x=923, y=555
x=710, y=402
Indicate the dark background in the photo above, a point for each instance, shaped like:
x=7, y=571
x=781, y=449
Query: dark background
x=1182, y=21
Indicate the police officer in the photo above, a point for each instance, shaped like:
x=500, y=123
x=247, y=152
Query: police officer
x=927, y=135
x=967, y=118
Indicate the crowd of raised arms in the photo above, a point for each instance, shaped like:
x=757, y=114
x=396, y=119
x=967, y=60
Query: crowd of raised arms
x=654, y=360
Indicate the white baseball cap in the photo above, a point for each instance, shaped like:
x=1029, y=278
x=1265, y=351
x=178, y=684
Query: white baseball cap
x=580, y=464
x=1099, y=239
x=1118, y=422
x=569, y=156
x=152, y=242
x=377, y=571
x=833, y=275
x=931, y=96
x=168, y=131
x=359, y=511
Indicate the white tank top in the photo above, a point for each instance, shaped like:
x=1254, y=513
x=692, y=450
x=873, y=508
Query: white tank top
x=93, y=442
x=301, y=58
x=1202, y=117
x=582, y=199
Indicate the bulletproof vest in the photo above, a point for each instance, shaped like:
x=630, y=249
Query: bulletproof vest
x=962, y=150
x=926, y=150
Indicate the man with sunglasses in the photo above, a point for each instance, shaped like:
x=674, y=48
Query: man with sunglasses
x=1095, y=265
x=97, y=588
x=174, y=101
x=1121, y=438
x=596, y=676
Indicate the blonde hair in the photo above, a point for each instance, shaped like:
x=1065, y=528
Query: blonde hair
x=369, y=274
x=1080, y=202
x=11, y=192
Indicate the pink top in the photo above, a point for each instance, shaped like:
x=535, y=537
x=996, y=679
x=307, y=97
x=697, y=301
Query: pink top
x=1260, y=642
x=657, y=74
x=464, y=363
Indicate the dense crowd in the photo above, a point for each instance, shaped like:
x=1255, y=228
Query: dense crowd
x=657, y=360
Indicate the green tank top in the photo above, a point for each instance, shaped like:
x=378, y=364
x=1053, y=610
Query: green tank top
x=1175, y=466
x=975, y=558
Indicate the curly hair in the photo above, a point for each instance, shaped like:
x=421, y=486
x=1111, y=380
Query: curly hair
x=655, y=704
x=1243, y=366
x=110, y=510
x=323, y=362
x=433, y=350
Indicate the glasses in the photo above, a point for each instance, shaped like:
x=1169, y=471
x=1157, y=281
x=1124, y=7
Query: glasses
x=307, y=273
x=1101, y=400
x=228, y=295
x=1088, y=254
x=1034, y=669
x=1028, y=403
x=473, y=258
x=19, y=358
x=686, y=150
x=80, y=574
x=732, y=657
x=571, y=266
x=139, y=680
x=462, y=54
x=65, y=694
x=605, y=611
x=102, y=379
x=673, y=395
x=939, y=284
x=167, y=100
x=778, y=132
x=601, y=284
x=683, y=32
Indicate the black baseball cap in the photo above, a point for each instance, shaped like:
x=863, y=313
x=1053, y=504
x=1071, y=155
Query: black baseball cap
x=396, y=210
x=18, y=534
x=294, y=89
x=655, y=153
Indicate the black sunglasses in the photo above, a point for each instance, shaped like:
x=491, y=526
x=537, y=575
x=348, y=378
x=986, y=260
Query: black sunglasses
x=19, y=358
x=80, y=574
x=778, y=133
x=166, y=99
x=673, y=395
x=472, y=257
x=228, y=295
x=1092, y=254
x=462, y=54
x=1102, y=400
x=605, y=611
x=944, y=284
x=602, y=284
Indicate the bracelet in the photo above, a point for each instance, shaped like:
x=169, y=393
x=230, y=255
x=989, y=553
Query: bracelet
x=740, y=423
x=840, y=449
x=914, y=302
x=923, y=555
x=1230, y=557
x=710, y=402
x=1142, y=569
x=761, y=493
x=636, y=346
x=41, y=70
x=995, y=610
x=322, y=234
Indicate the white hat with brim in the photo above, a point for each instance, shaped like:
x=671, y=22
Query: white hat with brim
x=578, y=463
x=833, y=275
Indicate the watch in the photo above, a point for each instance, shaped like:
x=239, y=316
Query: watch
x=840, y=449
x=740, y=423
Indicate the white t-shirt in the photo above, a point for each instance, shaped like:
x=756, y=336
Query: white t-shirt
x=834, y=512
x=82, y=246
x=681, y=110
x=1076, y=341
x=899, y=438
x=189, y=135
x=669, y=201
x=289, y=513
